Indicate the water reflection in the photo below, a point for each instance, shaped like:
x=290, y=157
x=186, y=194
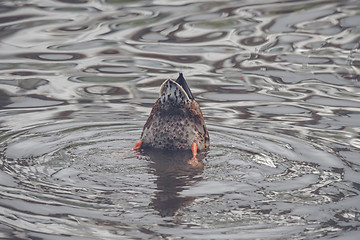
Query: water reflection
x=173, y=175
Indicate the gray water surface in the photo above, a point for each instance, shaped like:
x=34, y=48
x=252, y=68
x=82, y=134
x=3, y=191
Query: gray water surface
x=278, y=84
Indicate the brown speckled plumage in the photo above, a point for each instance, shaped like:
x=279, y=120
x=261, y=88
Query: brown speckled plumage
x=176, y=121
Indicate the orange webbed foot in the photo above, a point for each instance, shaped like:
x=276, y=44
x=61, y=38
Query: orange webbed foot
x=137, y=145
x=194, y=161
x=194, y=150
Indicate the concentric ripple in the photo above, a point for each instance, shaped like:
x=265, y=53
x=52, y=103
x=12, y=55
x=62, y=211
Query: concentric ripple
x=84, y=174
x=58, y=167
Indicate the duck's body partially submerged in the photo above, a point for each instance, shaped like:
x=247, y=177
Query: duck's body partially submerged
x=176, y=121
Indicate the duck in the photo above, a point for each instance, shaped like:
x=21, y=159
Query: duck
x=176, y=121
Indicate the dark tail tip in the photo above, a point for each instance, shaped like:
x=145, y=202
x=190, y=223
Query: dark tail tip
x=182, y=82
x=180, y=78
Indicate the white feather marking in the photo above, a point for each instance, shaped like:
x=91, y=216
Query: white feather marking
x=172, y=92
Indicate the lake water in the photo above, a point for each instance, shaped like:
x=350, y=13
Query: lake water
x=279, y=86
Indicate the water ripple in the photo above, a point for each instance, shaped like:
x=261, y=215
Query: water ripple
x=278, y=83
x=52, y=56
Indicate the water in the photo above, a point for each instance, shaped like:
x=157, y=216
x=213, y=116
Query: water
x=278, y=83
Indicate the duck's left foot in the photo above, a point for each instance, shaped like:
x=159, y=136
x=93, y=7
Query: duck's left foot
x=194, y=150
x=194, y=161
x=137, y=145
